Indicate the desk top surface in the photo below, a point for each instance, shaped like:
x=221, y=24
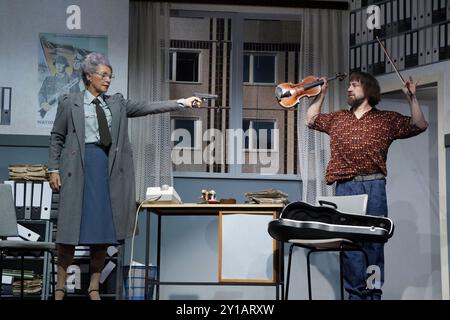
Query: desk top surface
x=199, y=209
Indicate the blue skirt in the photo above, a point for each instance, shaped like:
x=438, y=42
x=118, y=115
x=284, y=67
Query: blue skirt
x=97, y=225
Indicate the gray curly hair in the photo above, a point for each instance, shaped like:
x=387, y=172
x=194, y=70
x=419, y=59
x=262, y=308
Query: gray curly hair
x=90, y=63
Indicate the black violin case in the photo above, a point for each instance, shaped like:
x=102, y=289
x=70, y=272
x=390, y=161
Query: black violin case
x=300, y=220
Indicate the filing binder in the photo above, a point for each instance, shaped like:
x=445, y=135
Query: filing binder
x=429, y=45
x=422, y=49
x=352, y=29
x=401, y=52
x=46, y=201
x=28, y=195
x=394, y=17
x=394, y=50
x=411, y=59
x=406, y=25
x=442, y=41
x=364, y=58
x=438, y=11
x=357, y=4
x=352, y=4
x=358, y=58
x=364, y=29
x=27, y=234
x=5, y=105
x=447, y=32
x=19, y=196
x=388, y=46
x=358, y=27
x=381, y=33
x=435, y=44
x=421, y=13
x=352, y=59
x=36, y=201
x=414, y=17
x=388, y=19
x=448, y=10
x=370, y=58
x=428, y=12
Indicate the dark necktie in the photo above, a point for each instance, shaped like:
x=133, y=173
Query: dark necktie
x=105, y=135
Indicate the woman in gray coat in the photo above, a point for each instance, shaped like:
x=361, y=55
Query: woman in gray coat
x=91, y=165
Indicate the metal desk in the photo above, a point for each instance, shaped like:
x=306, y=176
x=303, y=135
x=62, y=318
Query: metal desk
x=192, y=209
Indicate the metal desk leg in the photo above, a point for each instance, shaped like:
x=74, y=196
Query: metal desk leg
x=158, y=257
x=147, y=253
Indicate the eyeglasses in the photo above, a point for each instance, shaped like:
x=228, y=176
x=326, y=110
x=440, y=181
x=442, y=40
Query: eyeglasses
x=105, y=75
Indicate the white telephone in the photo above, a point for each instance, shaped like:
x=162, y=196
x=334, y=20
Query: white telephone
x=162, y=194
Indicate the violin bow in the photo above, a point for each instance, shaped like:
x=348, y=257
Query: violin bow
x=394, y=66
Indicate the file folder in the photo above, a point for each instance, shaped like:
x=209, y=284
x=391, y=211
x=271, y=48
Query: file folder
x=388, y=19
x=358, y=59
x=388, y=46
x=5, y=105
x=428, y=12
x=421, y=12
x=370, y=58
x=352, y=59
x=422, y=49
x=352, y=29
x=435, y=42
x=407, y=19
x=414, y=17
x=28, y=195
x=442, y=42
x=447, y=32
x=401, y=52
x=364, y=58
x=27, y=234
x=46, y=201
x=358, y=27
x=36, y=201
x=394, y=17
x=429, y=45
x=19, y=196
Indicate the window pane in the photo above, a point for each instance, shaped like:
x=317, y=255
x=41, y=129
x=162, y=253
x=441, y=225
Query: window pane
x=275, y=46
x=263, y=134
x=188, y=125
x=171, y=54
x=187, y=66
x=263, y=69
x=209, y=39
x=245, y=127
x=246, y=68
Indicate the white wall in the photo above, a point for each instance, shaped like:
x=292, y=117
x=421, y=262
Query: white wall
x=21, y=21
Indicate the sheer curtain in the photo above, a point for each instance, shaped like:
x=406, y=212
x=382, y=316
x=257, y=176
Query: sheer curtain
x=324, y=52
x=148, y=74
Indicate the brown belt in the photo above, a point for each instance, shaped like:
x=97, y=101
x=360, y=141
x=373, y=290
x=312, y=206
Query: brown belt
x=368, y=177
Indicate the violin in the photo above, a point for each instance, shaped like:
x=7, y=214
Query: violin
x=289, y=94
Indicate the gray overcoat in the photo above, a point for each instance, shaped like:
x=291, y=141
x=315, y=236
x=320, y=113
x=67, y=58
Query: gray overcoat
x=66, y=154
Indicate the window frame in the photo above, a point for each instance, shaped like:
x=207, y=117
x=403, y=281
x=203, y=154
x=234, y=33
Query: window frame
x=252, y=55
x=251, y=147
x=173, y=59
x=197, y=130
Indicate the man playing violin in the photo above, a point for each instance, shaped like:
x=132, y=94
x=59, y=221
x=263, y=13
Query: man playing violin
x=359, y=139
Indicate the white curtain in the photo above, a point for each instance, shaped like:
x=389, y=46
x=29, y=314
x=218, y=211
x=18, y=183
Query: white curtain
x=147, y=80
x=324, y=52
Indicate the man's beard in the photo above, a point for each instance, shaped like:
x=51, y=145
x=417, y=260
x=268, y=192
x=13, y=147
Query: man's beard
x=355, y=102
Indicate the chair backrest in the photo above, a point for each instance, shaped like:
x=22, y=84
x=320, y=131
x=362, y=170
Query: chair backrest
x=356, y=204
x=8, y=221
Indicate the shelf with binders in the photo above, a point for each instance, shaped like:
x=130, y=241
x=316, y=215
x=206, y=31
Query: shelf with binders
x=414, y=32
x=36, y=264
x=395, y=16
